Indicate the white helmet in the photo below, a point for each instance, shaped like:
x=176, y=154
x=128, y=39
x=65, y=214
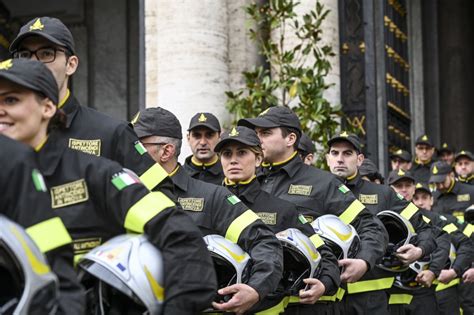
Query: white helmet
x=301, y=259
x=125, y=273
x=28, y=285
x=407, y=279
x=400, y=233
x=340, y=237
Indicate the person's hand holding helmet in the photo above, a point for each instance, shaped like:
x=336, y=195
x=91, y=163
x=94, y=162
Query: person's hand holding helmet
x=425, y=278
x=353, y=269
x=315, y=291
x=243, y=298
x=447, y=275
x=409, y=253
x=468, y=276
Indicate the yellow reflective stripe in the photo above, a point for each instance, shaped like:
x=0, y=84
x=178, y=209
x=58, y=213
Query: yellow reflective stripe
x=316, y=240
x=427, y=220
x=294, y=299
x=49, y=234
x=351, y=212
x=409, y=211
x=370, y=285
x=156, y=288
x=340, y=293
x=239, y=224
x=153, y=176
x=330, y=298
x=468, y=230
x=277, y=309
x=400, y=299
x=450, y=228
x=145, y=209
x=452, y=283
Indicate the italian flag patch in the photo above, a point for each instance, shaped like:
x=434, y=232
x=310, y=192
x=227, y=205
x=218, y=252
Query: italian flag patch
x=343, y=188
x=233, y=199
x=302, y=219
x=124, y=179
x=38, y=181
x=140, y=148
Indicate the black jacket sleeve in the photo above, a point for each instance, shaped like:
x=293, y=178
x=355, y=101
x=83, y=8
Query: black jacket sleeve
x=440, y=255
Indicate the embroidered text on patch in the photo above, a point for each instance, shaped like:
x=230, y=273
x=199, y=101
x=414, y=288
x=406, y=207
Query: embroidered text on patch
x=464, y=197
x=303, y=190
x=369, y=199
x=69, y=194
x=87, y=146
x=268, y=217
x=192, y=204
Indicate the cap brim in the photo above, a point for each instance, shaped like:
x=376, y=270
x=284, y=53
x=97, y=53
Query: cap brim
x=16, y=42
x=259, y=122
x=424, y=189
x=225, y=141
x=213, y=128
x=424, y=142
x=339, y=139
x=12, y=78
x=437, y=178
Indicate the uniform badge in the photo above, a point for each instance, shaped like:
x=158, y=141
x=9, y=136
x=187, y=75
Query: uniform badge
x=233, y=199
x=400, y=196
x=38, y=181
x=268, y=217
x=192, y=204
x=37, y=25
x=69, y=194
x=84, y=245
x=303, y=190
x=5, y=65
x=202, y=118
x=140, y=147
x=124, y=179
x=464, y=197
x=369, y=199
x=343, y=188
x=308, y=218
x=87, y=146
x=302, y=219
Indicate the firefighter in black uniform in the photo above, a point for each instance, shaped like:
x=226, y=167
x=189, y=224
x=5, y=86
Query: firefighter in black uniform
x=446, y=153
x=26, y=201
x=97, y=198
x=313, y=191
x=464, y=167
x=240, y=154
x=216, y=211
x=306, y=149
x=203, y=134
x=368, y=294
x=400, y=159
x=424, y=151
x=447, y=290
x=48, y=40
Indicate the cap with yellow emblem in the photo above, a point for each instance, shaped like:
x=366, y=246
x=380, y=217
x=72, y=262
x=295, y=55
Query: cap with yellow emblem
x=464, y=153
x=156, y=121
x=401, y=154
x=424, y=139
x=438, y=171
x=422, y=187
x=205, y=120
x=348, y=137
x=397, y=175
x=47, y=27
x=277, y=116
x=445, y=147
x=238, y=134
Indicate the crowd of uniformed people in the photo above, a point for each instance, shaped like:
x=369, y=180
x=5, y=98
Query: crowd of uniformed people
x=99, y=217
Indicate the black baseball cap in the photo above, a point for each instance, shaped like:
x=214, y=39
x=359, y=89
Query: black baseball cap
x=424, y=139
x=31, y=74
x=464, y=153
x=156, y=121
x=205, y=120
x=401, y=154
x=423, y=187
x=48, y=27
x=397, y=175
x=306, y=144
x=368, y=168
x=445, y=147
x=239, y=134
x=348, y=137
x=277, y=116
x=438, y=171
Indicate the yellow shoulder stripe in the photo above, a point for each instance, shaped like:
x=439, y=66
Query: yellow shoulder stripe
x=351, y=212
x=409, y=211
x=239, y=224
x=145, y=209
x=49, y=234
x=153, y=176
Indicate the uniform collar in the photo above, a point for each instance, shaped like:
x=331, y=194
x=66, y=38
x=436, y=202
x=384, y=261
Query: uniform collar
x=418, y=162
x=353, y=180
x=466, y=179
x=453, y=188
x=70, y=107
x=214, y=168
x=290, y=165
x=63, y=101
x=180, y=178
x=50, y=154
x=247, y=190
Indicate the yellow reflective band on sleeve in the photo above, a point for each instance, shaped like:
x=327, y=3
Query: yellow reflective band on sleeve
x=370, y=285
x=277, y=309
x=400, y=299
x=294, y=299
x=352, y=212
x=468, y=230
x=328, y=298
x=239, y=224
x=450, y=228
x=145, y=209
x=409, y=211
x=49, y=234
x=427, y=220
x=452, y=283
x=340, y=293
x=153, y=176
x=316, y=240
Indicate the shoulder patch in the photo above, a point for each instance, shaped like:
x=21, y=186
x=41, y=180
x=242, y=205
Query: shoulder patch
x=82, y=246
x=303, y=190
x=124, y=179
x=343, y=188
x=87, y=146
x=369, y=199
x=192, y=204
x=38, y=181
x=140, y=147
x=400, y=196
x=69, y=194
x=233, y=199
x=268, y=218
x=464, y=197
x=302, y=219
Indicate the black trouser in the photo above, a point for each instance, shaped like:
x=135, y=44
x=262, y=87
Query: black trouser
x=318, y=308
x=372, y=302
x=449, y=301
x=423, y=302
x=466, y=292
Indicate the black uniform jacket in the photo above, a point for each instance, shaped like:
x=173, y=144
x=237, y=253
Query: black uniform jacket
x=209, y=173
x=24, y=199
x=455, y=201
x=98, y=199
x=95, y=133
x=316, y=192
x=216, y=210
x=280, y=215
x=421, y=171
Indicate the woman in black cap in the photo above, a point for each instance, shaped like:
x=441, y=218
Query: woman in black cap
x=241, y=154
